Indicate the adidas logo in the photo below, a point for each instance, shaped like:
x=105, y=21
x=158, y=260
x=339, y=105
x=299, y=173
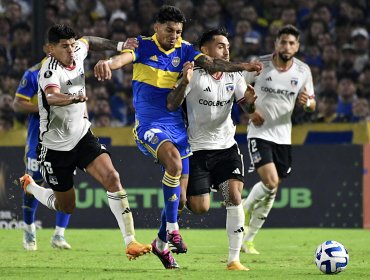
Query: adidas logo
x=173, y=198
x=269, y=79
x=69, y=83
x=236, y=171
x=241, y=229
x=154, y=58
x=207, y=89
x=126, y=211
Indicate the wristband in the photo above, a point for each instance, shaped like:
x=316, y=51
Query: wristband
x=120, y=46
x=308, y=103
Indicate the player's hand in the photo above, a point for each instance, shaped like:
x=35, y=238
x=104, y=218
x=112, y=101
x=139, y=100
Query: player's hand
x=257, y=119
x=303, y=97
x=102, y=70
x=254, y=66
x=250, y=95
x=187, y=72
x=79, y=99
x=131, y=44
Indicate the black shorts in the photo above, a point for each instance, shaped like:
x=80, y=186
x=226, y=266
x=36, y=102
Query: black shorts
x=210, y=168
x=262, y=152
x=58, y=167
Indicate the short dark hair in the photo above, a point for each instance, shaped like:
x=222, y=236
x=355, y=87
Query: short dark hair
x=170, y=13
x=209, y=35
x=289, y=30
x=59, y=32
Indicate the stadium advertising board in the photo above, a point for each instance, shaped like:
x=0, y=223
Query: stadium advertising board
x=324, y=190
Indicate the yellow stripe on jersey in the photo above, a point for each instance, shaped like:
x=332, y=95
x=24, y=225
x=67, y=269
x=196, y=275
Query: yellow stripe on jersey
x=22, y=96
x=177, y=44
x=154, y=76
x=130, y=51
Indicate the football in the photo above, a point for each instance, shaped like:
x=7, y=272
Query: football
x=331, y=257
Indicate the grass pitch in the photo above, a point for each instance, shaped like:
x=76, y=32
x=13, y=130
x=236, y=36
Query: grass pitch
x=99, y=254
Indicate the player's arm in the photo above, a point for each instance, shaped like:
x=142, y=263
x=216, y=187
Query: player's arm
x=248, y=102
x=102, y=44
x=23, y=105
x=55, y=98
x=103, y=69
x=219, y=65
x=307, y=101
x=177, y=95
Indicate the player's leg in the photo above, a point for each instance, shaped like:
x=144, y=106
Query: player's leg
x=61, y=222
x=30, y=204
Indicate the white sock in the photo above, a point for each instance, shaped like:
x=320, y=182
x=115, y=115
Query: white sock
x=119, y=206
x=59, y=231
x=161, y=246
x=170, y=227
x=259, y=215
x=258, y=192
x=234, y=229
x=45, y=196
x=30, y=228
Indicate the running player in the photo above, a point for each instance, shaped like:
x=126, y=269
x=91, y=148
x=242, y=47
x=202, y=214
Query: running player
x=66, y=141
x=283, y=81
x=216, y=161
x=158, y=62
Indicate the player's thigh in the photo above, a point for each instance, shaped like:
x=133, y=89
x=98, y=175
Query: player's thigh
x=283, y=160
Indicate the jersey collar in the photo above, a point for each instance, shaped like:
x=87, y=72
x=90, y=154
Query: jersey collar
x=177, y=45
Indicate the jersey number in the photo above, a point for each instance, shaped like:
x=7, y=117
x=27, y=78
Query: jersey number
x=253, y=146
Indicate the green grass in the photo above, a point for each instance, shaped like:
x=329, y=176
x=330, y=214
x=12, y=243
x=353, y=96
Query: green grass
x=98, y=254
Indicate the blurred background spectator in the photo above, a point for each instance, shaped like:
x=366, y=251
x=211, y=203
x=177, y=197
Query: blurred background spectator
x=334, y=43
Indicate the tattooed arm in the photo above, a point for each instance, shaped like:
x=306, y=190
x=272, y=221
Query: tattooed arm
x=102, y=44
x=213, y=65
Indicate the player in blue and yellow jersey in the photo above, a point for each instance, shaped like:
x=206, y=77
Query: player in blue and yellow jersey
x=157, y=64
x=26, y=102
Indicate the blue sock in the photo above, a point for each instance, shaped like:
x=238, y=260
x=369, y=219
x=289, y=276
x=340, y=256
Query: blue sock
x=171, y=192
x=162, y=233
x=62, y=219
x=30, y=204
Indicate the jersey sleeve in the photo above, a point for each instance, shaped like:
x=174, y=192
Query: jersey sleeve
x=137, y=51
x=249, y=77
x=82, y=48
x=49, y=77
x=241, y=87
x=308, y=84
x=191, y=53
x=27, y=87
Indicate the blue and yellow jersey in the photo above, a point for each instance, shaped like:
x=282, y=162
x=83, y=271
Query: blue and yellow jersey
x=27, y=89
x=155, y=74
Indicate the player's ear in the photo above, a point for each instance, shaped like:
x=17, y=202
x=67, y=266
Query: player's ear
x=204, y=50
x=156, y=27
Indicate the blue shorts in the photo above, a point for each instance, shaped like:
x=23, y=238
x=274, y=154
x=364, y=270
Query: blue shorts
x=150, y=137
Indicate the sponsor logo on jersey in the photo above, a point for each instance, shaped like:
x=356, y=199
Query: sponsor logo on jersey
x=269, y=79
x=69, y=83
x=154, y=58
x=213, y=102
x=294, y=82
x=229, y=88
x=207, y=89
x=48, y=74
x=277, y=91
x=175, y=61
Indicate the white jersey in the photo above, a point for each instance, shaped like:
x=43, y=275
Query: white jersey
x=209, y=102
x=62, y=127
x=277, y=92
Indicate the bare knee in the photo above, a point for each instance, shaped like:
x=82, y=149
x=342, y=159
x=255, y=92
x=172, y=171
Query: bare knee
x=198, y=204
x=66, y=207
x=111, y=181
x=198, y=209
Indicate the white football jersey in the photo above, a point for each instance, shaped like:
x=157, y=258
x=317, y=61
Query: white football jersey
x=277, y=92
x=62, y=127
x=209, y=102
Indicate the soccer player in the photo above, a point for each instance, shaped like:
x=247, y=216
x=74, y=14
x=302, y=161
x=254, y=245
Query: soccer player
x=284, y=81
x=158, y=62
x=216, y=161
x=26, y=102
x=66, y=141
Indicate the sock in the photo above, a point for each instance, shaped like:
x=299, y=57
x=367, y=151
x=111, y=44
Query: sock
x=62, y=219
x=30, y=204
x=161, y=245
x=162, y=233
x=119, y=206
x=258, y=192
x=171, y=192
x=59, y=230
x=234, y=229
x=30, y=228
x=43, y=195
x=259, y=215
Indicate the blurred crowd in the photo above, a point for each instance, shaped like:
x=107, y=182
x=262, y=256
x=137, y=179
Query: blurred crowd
x=334, y=43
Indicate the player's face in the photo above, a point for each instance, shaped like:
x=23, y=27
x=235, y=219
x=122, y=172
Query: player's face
x=64, y=51
x=168, y=33
x=218, y=48
x=286, y=47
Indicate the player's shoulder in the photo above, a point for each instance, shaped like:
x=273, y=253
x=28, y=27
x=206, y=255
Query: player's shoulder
x=265, y=58
x=186, y=43
x=302, y=66
x=199, y=71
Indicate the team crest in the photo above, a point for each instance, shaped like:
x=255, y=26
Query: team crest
x=229, y=88
x=48, y=74
x=175, y=61
x=256, y=157
x=294, y=82
x=23, y=82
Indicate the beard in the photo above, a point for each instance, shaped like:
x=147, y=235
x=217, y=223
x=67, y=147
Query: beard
x=284, y=58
